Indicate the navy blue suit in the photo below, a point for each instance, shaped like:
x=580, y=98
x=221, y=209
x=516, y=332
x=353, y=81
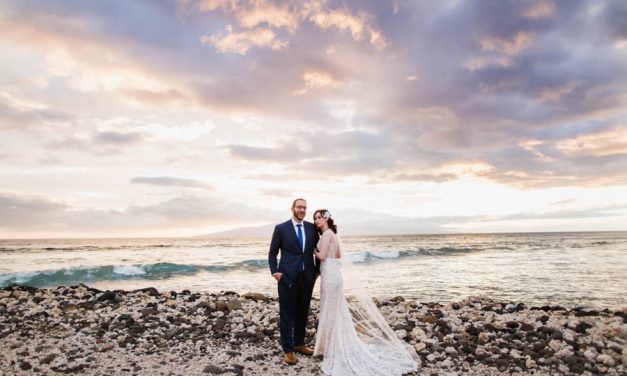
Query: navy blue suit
x=296, y=285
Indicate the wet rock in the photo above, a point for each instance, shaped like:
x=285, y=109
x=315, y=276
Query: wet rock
x=456, y=337
x=106, y=296
x=151, y=291
x=255, y=296
x=233, y=305
x=557, y=335
x=582, y=327
x=221, y=306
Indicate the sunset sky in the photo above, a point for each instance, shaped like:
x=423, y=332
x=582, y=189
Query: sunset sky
x=176, y=118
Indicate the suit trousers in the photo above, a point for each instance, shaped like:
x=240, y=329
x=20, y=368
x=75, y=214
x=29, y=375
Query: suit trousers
x=294, y=304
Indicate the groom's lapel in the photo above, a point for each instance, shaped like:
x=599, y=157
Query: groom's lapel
x=309, y=233
x=290, y=229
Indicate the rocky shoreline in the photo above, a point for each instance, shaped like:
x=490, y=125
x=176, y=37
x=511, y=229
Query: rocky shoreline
x=80, y=329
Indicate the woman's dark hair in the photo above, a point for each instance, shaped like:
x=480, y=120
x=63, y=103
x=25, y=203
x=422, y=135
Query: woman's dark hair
x=332, y=225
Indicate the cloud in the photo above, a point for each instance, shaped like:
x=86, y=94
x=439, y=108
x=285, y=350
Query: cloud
x=397, y=94
x=93, y=50
x=316, y=81
x=258, y=21
x=499, y=52
x=282, y=153
x=31, y=213
x=27, y=116
x=202, y=211
x=556, y=93
x=27, y=213
x=268, y=13
x=609, y=142
x=344, y=20
x=118, y=138
x=156, y=98
x=243, y=41
x=278, y=193
x=437, y=178
x=171, y=182
x=211, y=5
x=539, y=10
x=334, y=154
x=505, y=46
x=99, y=142
x=613, y=19
x=601, y=212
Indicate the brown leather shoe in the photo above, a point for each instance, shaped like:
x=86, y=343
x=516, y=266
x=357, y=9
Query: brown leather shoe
x=290, y=358
x=304, y=350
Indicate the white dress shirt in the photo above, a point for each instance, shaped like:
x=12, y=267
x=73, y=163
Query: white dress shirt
x=302, y=229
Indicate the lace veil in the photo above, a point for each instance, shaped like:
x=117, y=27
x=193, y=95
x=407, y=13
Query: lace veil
x=371, y=326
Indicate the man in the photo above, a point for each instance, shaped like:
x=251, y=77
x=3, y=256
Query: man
x=295, y=275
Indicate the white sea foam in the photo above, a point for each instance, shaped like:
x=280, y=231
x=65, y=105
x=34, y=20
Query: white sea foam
x=386, y=254
x=19, y=277
x=24, y=277
x=129, y=270
x=358, y=257
x=552, y=267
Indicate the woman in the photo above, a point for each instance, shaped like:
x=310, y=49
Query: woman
x=353, y=337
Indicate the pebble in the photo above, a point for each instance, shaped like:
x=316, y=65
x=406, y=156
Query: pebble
x=144, y=332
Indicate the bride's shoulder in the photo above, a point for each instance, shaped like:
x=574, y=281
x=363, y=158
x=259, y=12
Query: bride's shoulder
x=328, y=234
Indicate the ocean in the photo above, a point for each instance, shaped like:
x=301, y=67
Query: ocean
x=569, y=269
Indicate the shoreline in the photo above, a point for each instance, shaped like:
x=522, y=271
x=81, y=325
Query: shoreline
x=146, y=332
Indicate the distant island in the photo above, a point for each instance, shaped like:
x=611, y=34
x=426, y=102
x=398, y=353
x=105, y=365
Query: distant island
x=352, y=222
x=242, y=232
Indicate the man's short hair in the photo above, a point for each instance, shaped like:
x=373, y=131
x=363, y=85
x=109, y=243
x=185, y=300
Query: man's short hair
x=298, y=199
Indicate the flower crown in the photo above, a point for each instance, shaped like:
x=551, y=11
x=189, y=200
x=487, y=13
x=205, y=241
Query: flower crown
x=326, y=214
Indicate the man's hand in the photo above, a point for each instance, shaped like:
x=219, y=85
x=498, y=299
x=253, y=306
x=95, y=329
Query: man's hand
x=277, y=276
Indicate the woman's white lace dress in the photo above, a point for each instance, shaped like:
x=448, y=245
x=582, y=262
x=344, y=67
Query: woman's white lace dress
x=346, y=350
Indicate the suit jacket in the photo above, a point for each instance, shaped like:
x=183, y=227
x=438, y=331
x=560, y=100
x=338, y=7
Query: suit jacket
x=285, y=240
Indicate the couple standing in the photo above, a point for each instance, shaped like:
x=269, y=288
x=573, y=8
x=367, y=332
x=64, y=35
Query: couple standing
x=352, y=335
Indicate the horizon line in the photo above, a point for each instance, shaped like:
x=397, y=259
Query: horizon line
x=350, y=235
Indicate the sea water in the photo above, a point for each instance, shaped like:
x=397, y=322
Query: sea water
x=569, y=269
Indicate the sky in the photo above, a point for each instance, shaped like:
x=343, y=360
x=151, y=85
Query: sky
x=178, y=118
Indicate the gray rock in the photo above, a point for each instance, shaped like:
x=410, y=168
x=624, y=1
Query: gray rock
x=47, y=359
x=255, y=296
x=233, y=305
x=221, y=306
x=173, y=333
x=106, y=296
x=148, y=311
x=606, y=360
x=582, y=327
x=214, y=370
x=151, y=291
